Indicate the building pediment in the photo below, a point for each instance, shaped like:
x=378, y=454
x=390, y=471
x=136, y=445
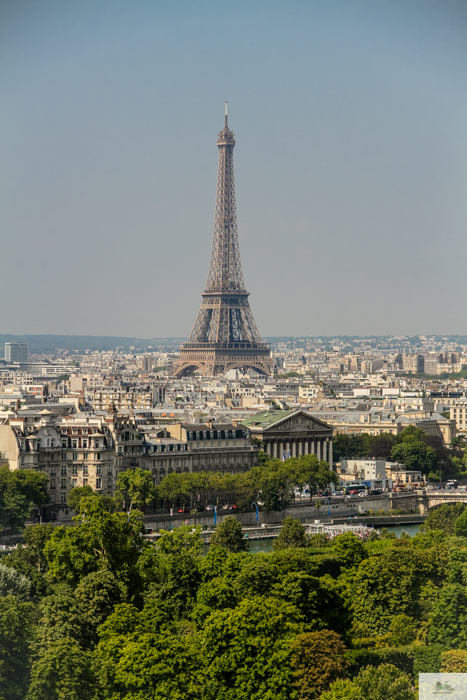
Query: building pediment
x=299, y=422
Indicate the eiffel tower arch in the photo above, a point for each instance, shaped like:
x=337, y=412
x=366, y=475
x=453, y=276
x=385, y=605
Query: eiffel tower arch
x=225, y=335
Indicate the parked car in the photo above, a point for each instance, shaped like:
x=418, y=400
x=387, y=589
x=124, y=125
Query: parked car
x=211, y=507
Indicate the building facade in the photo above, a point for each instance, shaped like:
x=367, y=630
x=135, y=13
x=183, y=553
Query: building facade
x=292, y=433
x=16, y=352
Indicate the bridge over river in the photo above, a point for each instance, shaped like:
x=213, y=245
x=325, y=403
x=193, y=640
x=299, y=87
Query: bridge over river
x=424, y=500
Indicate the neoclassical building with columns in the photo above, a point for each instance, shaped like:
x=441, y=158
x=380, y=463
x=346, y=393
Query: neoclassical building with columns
x=292, y=433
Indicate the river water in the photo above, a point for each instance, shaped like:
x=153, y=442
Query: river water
x=266, y=545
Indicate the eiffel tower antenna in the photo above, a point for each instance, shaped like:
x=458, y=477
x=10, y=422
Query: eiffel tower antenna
x=225, y=335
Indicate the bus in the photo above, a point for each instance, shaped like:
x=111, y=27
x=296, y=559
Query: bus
x=359, y=488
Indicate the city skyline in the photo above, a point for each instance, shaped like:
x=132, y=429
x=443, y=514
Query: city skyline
x=351, y=172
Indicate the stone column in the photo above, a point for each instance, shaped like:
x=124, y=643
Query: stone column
x=318, y=448
x=330, y=454
x=274, y=449
x=325, y=444
x=287, y=449
x=280, y=447
x=294, y=448
x=299, y=448
x=305, y=447
x=312, y=447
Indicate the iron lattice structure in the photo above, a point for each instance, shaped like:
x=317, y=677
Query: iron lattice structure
x=225, y=335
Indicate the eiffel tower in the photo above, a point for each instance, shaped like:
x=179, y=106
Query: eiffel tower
x=225, y=335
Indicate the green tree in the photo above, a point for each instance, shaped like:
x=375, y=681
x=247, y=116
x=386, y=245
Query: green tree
x=16, y=627
x=247, y=649
x=171, y=572
x=317, y=661
x=61, y=617
x=443, y=517
x=173, y=489
x=62, y=671
x=100, y=540
x=383, y=587
x=292, y=534
x=256, y=576
x=139, y=486
x=349, y=549
x=152, y=664
x=29, y=559
x=318, y=599
x=460, y=524
x=415, y=454
x=448, y=617
x=96, y=595
x=454, y=661
x=403, y=631
x=76, y=494
x=385, y=682
x=216, y=594
x=20, y=490
x=12, y=582
x=228, y=535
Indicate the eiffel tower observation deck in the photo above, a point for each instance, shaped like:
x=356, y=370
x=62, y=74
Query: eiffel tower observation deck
x=225, y=335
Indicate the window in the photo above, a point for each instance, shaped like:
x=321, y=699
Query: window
x=64, y=443
x=85, y=455
x=98, y=483
x=85, y=469
x=98, y=470
x=64, y=456
x=22, y=460
x=75, y=470
x=63, y=468
x=52, y=483
x=52, y=469
x=109, y=482
x=74, y=444
x=75, y=456
x=74, y=482
x=96, y=444
x=85, y=443
x=85, y=482
x=98, y=455
x=63, y=483
x=52, y=443
x=63, y=498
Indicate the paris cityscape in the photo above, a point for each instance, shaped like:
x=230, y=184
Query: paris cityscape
x=261, y=493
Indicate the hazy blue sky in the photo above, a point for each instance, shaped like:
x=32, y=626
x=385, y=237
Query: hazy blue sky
x=351, y=163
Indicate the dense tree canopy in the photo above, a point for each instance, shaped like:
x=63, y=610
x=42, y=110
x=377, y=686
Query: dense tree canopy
x=20, y=490
x=97, y=611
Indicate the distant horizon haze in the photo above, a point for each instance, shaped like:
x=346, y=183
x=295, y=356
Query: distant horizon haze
x=350, y=162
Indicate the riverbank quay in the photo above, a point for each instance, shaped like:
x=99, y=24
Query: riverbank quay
x=338, y=509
